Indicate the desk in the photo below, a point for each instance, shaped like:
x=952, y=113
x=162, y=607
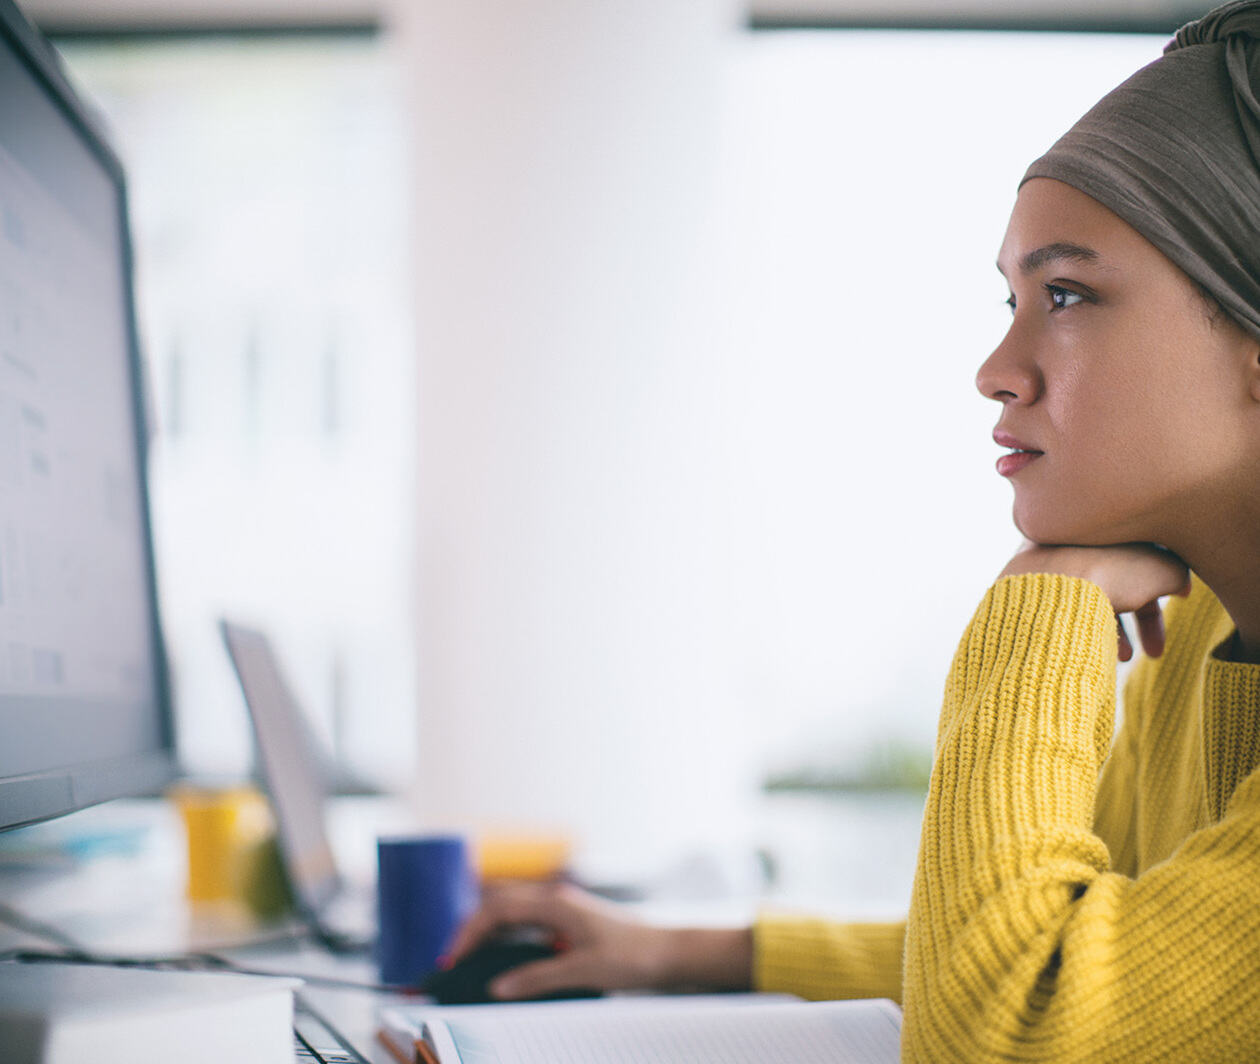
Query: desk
x=129, y=897
x=112, y=879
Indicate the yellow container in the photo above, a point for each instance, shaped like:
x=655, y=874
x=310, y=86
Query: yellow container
x=521, y=855
x=225, y=828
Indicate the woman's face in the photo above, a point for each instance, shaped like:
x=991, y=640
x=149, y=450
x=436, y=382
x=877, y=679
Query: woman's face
x=1134, y=412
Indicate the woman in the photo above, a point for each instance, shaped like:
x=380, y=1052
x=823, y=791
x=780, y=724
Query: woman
x=1075, y=898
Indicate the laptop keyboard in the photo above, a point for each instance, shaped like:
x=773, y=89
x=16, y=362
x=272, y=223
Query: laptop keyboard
x=304, y=1054
x=316, y=1042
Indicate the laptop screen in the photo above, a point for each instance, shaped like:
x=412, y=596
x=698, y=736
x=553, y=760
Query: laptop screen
x=290, y=766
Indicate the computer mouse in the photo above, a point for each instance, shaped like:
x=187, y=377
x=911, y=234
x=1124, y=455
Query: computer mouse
x=467, y=982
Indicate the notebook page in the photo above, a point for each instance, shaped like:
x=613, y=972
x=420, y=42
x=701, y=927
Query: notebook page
x=846, y=1032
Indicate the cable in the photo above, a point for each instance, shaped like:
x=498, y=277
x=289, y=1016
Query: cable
x=30, y=926
x=75, y=952
x=188, y=962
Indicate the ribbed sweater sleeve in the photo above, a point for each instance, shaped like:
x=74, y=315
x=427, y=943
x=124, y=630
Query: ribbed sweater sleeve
x=1115, y=808
x=1022, y=943
x=821, y=960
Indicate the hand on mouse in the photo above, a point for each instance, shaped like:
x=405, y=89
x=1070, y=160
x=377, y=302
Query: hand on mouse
x=600, y=945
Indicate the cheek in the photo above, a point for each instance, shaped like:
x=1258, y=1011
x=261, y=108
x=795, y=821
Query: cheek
x=1127, y=394
x=1103, y=415
x=1112, y=439
x=1137, y=437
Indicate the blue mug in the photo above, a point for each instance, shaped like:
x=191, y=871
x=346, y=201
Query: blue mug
x=425, y=889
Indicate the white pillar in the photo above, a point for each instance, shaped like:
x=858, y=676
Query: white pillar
x=574, y=660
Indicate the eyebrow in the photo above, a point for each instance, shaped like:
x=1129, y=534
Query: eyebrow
x=1060, y=250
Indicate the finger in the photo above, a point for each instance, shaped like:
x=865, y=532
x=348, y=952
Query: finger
x=508, y=906
x=499, y=908
x=538, y=978
x=475, y=930
x=1150, y=626
x=1175, y=570
x=1124, y=648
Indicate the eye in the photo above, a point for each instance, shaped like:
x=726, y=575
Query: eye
x=1010, y=302
x=1062, y=298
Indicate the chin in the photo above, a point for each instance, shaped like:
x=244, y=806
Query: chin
x=1051, y=526
x=1033, y=524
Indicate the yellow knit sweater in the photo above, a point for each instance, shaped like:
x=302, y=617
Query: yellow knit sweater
x=1063, y=909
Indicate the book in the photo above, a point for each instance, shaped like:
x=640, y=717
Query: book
x=71, y=1013
x=721, y=1029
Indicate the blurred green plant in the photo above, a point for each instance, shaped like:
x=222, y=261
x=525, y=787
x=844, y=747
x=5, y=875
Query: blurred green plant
x=892, y=765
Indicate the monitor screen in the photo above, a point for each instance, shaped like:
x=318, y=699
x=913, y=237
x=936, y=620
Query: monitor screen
x=84, y=714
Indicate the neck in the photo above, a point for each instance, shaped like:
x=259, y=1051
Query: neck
x=1229, y=563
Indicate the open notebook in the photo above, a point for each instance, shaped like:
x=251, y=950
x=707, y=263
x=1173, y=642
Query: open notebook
x=721, y=1029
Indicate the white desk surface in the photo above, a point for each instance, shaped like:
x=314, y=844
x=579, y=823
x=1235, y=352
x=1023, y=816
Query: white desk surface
x=125, y=896
x=112, y=878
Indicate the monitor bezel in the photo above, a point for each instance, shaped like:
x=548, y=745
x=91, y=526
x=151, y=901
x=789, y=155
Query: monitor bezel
x=41, y=795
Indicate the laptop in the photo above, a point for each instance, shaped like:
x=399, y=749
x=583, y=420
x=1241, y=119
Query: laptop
x=292, y=766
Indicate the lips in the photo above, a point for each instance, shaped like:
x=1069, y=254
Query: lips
x=1021, y=454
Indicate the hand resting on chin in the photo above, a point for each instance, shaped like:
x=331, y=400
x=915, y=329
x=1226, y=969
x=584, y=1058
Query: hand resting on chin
x=1133, y=576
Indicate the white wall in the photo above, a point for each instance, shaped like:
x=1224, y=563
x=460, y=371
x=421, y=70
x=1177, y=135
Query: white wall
x=572, y=550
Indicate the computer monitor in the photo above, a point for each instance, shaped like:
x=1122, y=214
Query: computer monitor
x=84, y=703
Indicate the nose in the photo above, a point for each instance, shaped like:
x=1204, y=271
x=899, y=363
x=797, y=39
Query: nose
x=1010, y=374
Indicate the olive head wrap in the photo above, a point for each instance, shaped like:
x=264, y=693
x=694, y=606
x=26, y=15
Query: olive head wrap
x=1175, y=152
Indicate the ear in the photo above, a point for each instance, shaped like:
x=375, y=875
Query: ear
x=1251, y=350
